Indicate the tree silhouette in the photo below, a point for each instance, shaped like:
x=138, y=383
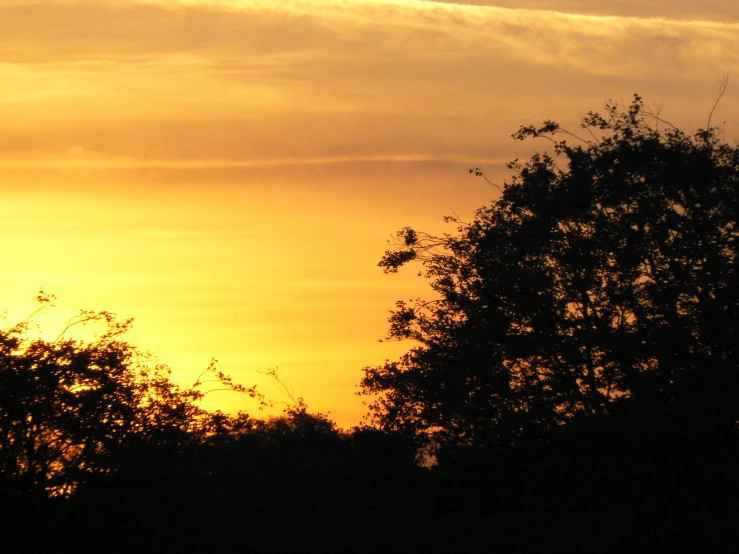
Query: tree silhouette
x=604, y=277
x=71, y=411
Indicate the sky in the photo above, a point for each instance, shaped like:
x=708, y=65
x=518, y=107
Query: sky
x=229, y=172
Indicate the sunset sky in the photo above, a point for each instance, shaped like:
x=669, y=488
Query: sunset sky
x=228, y=172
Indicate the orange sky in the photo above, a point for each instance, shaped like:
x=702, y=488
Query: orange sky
x=228, y=171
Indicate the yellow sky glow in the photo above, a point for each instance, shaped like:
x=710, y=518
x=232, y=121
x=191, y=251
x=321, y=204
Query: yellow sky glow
x=228, y=171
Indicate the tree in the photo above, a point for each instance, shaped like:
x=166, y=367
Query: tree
x=603, y=277
x=71, y=410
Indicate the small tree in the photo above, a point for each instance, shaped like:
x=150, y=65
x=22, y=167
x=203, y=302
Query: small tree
x=70, y=409
x=604, y=275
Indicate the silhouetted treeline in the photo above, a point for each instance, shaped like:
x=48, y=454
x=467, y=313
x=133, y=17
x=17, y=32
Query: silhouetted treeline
x=605, y=489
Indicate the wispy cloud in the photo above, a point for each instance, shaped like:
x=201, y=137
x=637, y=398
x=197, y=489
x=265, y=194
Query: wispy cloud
x=79, y=158
x=707, y=10
x=306, y=79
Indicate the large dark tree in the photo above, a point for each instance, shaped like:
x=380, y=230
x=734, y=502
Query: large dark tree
x=604, y=276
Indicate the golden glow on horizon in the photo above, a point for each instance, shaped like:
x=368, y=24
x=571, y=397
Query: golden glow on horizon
x=228, y=172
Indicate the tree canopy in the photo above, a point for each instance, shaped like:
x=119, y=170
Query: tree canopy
x=603, y=278
x=72, y=410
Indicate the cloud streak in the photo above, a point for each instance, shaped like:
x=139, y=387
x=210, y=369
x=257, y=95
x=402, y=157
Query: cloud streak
x=79, y=158
x=708, y=10
x=252, y=79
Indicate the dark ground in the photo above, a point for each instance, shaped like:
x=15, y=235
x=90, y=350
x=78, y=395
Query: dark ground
x=678, y=494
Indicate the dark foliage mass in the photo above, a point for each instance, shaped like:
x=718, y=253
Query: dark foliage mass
x=573, y=386
x=602, y=281
x=72, y=412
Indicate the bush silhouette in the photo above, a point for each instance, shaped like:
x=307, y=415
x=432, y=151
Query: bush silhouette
x=72, y=411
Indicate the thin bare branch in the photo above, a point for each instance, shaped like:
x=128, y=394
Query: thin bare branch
x=722, y=86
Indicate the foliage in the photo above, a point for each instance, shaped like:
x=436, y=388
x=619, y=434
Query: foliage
x=72, y=410
x=603, y=278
